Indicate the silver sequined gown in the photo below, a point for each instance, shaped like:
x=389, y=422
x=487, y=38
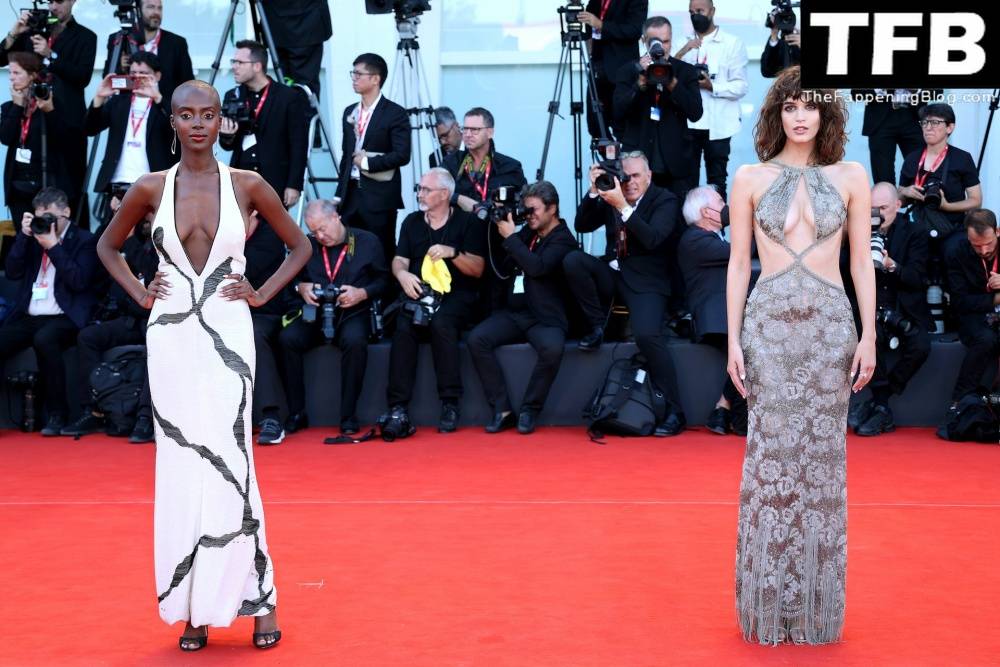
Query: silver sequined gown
x=798, y=342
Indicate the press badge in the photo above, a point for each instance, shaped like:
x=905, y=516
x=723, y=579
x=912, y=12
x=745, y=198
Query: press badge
x=519, y=284
x=595, y=34
x=39, y=292
x=249, y=141
x=654, y=114
x=23, y=155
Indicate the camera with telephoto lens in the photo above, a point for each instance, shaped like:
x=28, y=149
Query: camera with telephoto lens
x=40, y=21
x=781, y=17
x=326, y=311
x=503, y=201
x=894, y=323
x=423, y=308
x=932, y=192
x=878, y=240
x=611, y=163
x=42, y=224
x=27, y=382
x=659, y=72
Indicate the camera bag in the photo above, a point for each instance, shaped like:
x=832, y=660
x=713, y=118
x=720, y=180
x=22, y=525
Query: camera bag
x=116, y=386
x=973, y=421
x=627, y=403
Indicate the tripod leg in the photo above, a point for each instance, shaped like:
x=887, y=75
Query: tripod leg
x=553, y=109
x=222, y=42
x=262, y=29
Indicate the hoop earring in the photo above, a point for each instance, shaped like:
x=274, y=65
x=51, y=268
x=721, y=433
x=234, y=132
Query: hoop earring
x=173, y=145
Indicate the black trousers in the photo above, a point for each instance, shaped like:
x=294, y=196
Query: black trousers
x=721, y=343
x=716, y=153
x=914, y=348
x=351, y=336
x=50, y=336
x=380, y=223
x=504, y=328
x=899, y=129
x=301, y=64
x=605, y=96
x=267, y=378
x=982, y=352
x=96, y=339
x=595, y=285
x=443, y=332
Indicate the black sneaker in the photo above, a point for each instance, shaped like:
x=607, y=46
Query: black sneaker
x=349, y=426
x=296, y=422
x=271, y=432
x=671, y=426
x=592, y=340
x=719, y=421
x=879, y=421
x=143, y=431
x=449, y=418
x=858, y=413
x=54, y=426
x=85, y=425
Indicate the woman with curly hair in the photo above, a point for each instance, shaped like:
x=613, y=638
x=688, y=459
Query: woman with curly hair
x=793, y=353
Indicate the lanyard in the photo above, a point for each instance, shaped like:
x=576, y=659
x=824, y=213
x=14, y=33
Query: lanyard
x=534, y=242
x=42, y=282
x=131, y=114
x=362, y=123
x=154, y=46
x=604, y=9
x=482, y=191
x=987, y=269
x=332, y=275
x=921, y=177
x=26, y=122
x=260, y=104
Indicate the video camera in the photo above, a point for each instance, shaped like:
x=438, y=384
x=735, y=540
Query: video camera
x=403, y=9
x=611, y=162
x=659, y=72
x=40, y=21
x=878, y=240
x=327, y=309
x=570, y=16
x=423, y=308
x=127, y=12
x=42, y=224
x=502, y=202
x=782, y=17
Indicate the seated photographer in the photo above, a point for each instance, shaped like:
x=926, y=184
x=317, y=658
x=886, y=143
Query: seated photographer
x=23, y=122
x=654, y=99
x=638, y=220
x=703, y=255
x=55, y=263
x=118, y=320
x=974, y=286
x=449, y=134
x=534, y=311
x=899, y=250
x=447, y=241
x=140, y=136
x=345, y=274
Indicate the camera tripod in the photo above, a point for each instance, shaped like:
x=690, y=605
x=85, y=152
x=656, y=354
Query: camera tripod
x=994, y=102
x=574, y=64
x=408, y=74
x=262, y=34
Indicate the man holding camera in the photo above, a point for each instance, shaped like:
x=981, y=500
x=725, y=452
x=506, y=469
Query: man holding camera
x=376, y=143
x=138, y=116
x=440, y=243
x=899, y=249
x=784, y=47
x=638, y=220
x=974, y=286
x=615, y=26
x=535, y=308
x=68, y=51
x=654, y=100
x=54, y=263
x=170, y=48
x=722, y=61
x=345, y=274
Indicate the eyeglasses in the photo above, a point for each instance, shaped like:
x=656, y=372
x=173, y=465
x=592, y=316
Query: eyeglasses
x=932, y=122
x=631, y=155
x=473, y=130
x=355, y=74
x=236, y=61
x=426, y=191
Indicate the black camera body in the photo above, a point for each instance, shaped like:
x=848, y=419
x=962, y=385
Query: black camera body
x=611, y=163
x=782, y=17
x=395, y=425
x=326, y=311
x=423, y=308
x=993, y=320
x=659, y=72
x=877, y=240
x=41, y=89
x=503, y=201
x=42, y=224
x=894, y=323
x=932, y=192
x=238, y=111
x=25, y=382
x=571, y=18
x=40, y=21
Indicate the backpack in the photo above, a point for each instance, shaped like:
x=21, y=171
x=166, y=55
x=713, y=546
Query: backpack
x=627, y=403
x=115, y=387
x=972, y=421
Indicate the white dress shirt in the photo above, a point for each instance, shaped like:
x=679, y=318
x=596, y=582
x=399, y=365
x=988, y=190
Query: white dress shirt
x=726, y=57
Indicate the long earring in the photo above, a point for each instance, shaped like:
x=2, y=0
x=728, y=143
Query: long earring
x=173, y=145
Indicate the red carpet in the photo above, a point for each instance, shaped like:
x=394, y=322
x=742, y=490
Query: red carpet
x=500, y=550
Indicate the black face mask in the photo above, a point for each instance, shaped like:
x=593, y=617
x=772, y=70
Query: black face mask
x=700, y=22
x=724, y=216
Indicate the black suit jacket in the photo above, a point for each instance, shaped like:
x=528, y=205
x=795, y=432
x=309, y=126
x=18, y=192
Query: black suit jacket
x=282, y=136
x=298, y=22
x=619, y=42
x=704, y=259
x=773, y=59
x=648, y=230
x=388, y=133
x=113, y=115
x=967, y=287
x=907, y=246
x=75, y=261
x=877, y=112
x=175, y=59
x=59, y=129
x=665, y=141
x=545, y=289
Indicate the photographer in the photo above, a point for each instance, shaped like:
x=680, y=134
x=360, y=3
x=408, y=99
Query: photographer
x=170, y=48
x=23, y=122
x=346, y=272
x=722, y=59
x=703, y=255
x=375, y=146
x=449, y=134
x=899, y=249
x=441, y=237
x=615, y=25
x=68, y=51
x=140, y=134
x=974, y=285
x=892, y=119
x=638, y=219
x=535, y=309
x=54, y=264
x=782, y=49
x=653, y=115
x=300, y=28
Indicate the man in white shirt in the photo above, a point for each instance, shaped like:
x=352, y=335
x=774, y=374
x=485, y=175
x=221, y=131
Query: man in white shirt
x=722, y=57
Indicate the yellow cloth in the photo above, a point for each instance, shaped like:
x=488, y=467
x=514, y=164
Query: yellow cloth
x=436, y=274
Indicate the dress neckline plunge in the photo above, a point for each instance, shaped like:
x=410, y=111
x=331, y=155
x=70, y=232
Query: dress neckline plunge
x=218, y=224
x=828, y=207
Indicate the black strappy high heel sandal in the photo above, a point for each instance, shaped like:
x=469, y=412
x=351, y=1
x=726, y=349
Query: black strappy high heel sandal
x=192, y=643
x=274, y=635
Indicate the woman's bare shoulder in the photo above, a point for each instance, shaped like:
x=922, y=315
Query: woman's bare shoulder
x=150, y=186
